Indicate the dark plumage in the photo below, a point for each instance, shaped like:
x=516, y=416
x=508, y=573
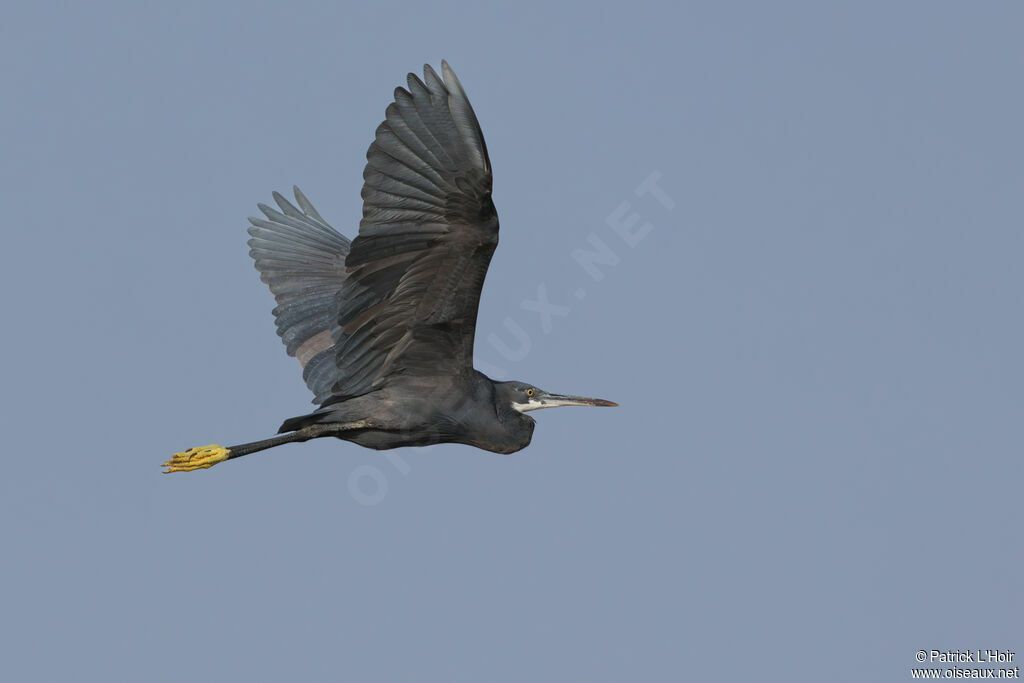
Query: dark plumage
x=384, y=325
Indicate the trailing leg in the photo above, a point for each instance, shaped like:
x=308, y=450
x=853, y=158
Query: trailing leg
x=204, y=457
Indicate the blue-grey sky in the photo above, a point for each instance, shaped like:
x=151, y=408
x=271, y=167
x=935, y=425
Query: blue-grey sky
x=814, y=331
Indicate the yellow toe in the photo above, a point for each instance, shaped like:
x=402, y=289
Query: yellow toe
x=199, y=458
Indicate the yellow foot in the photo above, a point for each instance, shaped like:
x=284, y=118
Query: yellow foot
x=198, y=458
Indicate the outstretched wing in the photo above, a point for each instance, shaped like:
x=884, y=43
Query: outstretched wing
x=409, y=302
x=302, y=259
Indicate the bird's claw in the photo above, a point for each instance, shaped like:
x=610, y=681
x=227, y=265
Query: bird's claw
x=199, y=458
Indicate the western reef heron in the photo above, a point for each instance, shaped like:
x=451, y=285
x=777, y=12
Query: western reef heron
x=383, y=325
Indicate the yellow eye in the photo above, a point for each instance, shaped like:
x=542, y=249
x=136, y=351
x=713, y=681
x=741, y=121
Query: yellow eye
x=529, y=392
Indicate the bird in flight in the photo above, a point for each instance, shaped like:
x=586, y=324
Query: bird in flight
x=383, y=325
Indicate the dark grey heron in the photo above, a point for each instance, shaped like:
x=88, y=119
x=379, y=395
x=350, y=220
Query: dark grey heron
x=383, y=325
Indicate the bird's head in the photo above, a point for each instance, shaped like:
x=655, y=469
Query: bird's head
x=526, y=397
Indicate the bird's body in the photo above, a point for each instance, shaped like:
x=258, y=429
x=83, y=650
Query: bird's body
x=427, y=411
x=384, y=325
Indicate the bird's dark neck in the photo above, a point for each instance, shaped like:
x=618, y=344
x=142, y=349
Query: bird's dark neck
x=515, y=428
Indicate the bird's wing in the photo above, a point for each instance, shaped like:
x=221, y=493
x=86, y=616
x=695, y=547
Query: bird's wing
x=409, y=303
x=302, y=259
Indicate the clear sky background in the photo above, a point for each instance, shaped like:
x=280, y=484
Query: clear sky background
x=816, y=467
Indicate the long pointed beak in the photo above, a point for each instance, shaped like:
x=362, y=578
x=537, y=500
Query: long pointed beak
x=554, y=400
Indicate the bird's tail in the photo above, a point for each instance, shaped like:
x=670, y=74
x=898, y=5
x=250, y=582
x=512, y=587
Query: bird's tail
x=295, y=423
